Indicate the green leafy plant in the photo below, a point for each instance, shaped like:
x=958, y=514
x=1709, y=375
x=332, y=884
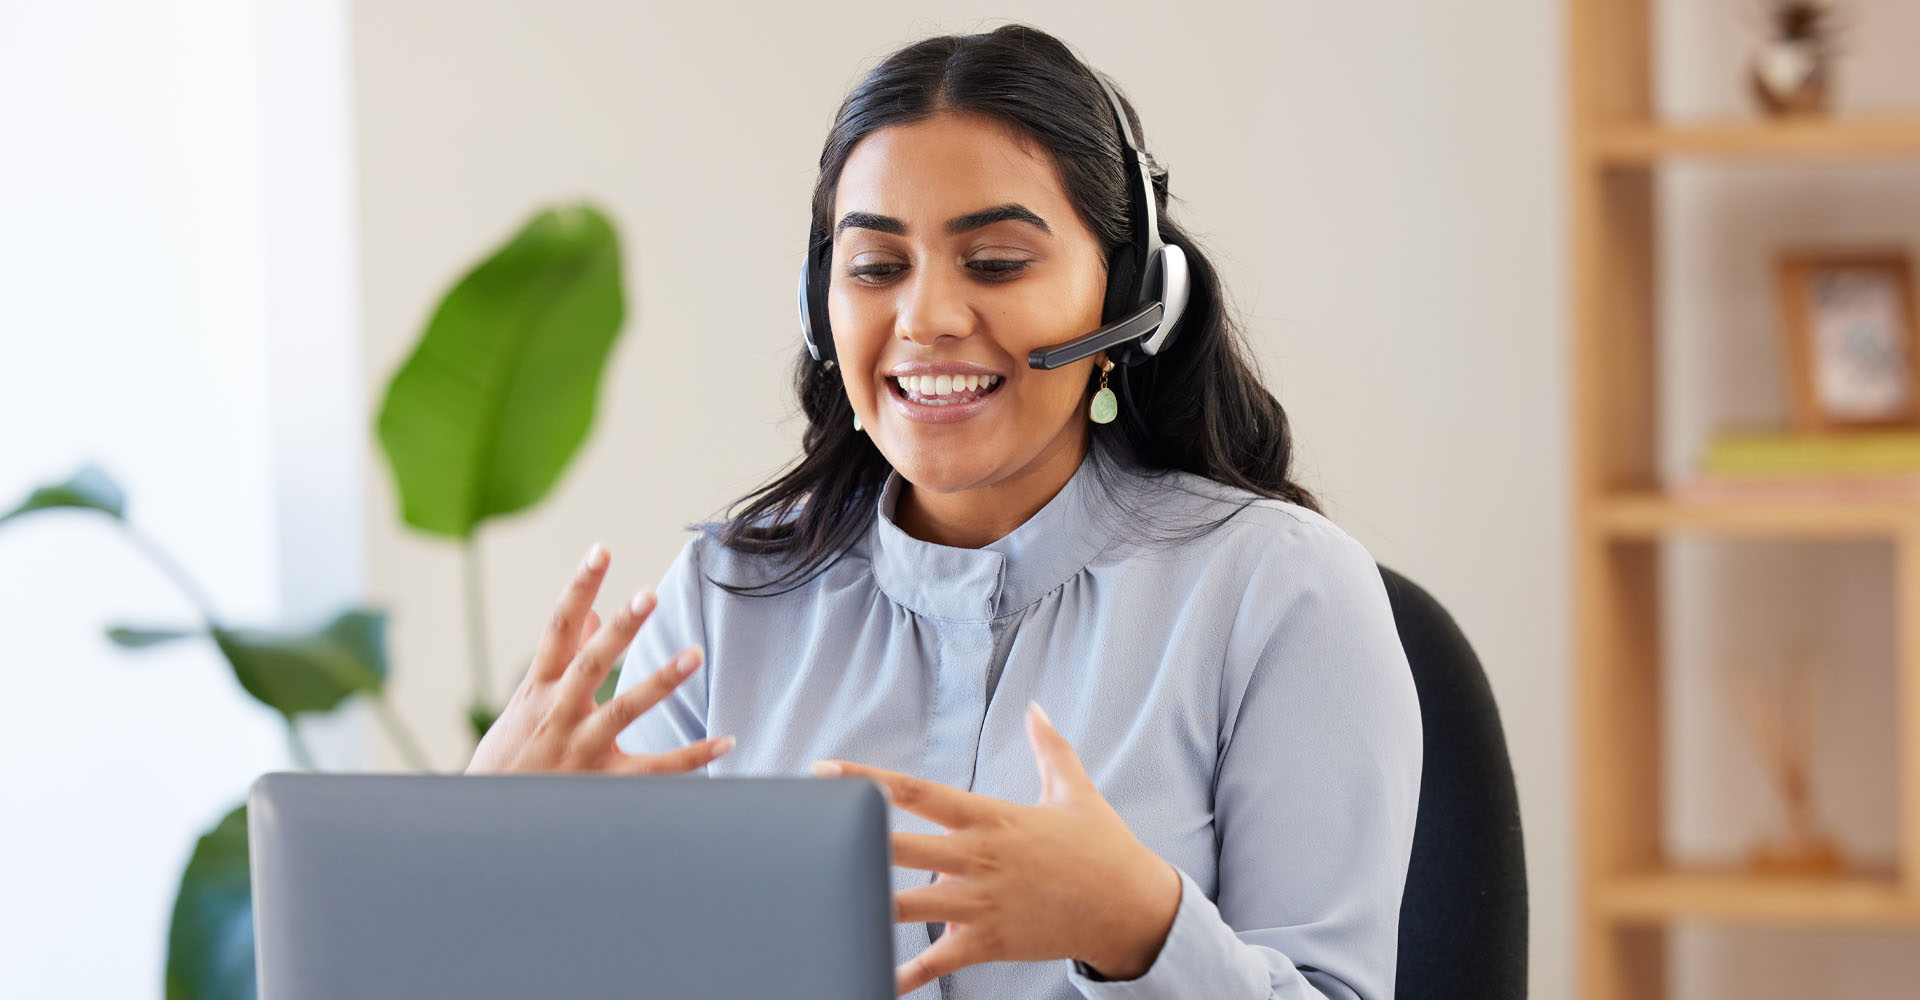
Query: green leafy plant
x=500, y=392
x=479, y=422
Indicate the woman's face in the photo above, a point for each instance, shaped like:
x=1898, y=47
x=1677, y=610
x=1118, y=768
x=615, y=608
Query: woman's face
x=957, y=250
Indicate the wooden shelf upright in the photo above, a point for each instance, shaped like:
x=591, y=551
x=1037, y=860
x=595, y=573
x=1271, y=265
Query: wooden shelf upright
x=1629, y=892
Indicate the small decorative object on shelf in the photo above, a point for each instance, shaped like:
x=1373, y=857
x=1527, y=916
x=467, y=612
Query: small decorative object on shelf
x=1792, y=66
x=1779, y=716
x=1852, y=337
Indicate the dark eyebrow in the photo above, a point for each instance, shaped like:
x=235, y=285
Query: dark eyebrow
x=962, y=224
x=998, y=213
x=868, y=220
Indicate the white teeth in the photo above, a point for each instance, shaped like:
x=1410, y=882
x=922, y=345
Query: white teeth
x=932, y=386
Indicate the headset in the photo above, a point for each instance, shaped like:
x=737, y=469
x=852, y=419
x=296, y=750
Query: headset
x=1146, y=281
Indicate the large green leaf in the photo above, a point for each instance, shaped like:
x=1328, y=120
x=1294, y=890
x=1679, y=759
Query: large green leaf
x=89, y=489
x=294, y=672
x=291, y=672
x=500, y=392
x=210, y=944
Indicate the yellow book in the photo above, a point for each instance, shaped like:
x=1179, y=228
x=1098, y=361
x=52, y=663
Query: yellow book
x=1854, y=453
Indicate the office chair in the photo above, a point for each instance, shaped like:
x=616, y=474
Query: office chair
x=1463, y=916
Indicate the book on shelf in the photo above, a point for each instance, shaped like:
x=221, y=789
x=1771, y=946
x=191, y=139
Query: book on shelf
x=1850, y=466
x=1854, y=453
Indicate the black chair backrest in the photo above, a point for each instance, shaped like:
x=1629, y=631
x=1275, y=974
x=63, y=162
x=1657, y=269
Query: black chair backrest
x=1463, y=918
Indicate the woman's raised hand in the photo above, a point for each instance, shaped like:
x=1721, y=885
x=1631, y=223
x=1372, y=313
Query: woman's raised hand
x=552, y=724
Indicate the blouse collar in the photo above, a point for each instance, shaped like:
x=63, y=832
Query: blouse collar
x=1003, y=576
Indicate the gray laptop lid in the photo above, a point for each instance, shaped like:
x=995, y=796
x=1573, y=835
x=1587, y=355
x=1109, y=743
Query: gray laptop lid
x=375, y=886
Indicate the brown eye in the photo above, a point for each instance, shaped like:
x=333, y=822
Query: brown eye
x=999, y=269
x=865, y=272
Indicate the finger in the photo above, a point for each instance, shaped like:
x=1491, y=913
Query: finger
x=1062, y=778
x=930, y=853
x=620, y=711
x=941, y=902
x=947, y=955
x=687, y=758
x=948, y=806
x=595, y=659
x=576, y=601
x=587, y=629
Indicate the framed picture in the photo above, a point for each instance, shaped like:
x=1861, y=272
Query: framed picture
x=1852, y=338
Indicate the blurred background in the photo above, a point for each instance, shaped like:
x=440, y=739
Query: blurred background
x=225, y=225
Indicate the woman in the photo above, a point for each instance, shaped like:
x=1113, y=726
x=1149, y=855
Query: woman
x=1225, y=793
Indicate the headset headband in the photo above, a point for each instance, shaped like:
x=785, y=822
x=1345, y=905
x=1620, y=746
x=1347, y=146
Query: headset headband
x=1134, y=161
x=1146, y=283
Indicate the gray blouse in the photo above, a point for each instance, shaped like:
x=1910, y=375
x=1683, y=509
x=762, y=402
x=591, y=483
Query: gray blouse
x=1240, y=698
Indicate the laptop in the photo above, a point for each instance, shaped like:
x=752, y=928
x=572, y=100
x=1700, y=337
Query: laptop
x=690, y=888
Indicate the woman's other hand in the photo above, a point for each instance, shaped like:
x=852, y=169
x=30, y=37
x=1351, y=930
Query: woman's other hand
x=552, y=724
x=1061, y=879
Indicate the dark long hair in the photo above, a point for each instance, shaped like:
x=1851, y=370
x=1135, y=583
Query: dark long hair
x=1198, y=406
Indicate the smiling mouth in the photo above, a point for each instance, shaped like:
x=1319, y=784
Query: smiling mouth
x=944, y=390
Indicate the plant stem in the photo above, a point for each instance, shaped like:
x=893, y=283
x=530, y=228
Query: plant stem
x=171, y=570
x=302, y=754
x=398, y=732
x=476, y=621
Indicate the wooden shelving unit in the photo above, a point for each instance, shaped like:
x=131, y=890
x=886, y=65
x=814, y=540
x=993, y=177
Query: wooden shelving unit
x=1629, y=893
x=1650, y=515
x=1646, y=143
x=1659, y=898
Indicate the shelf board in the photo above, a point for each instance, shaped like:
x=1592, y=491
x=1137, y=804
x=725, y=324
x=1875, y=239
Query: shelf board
x=1732, y=896
x=1642, y=143
x=1653, y=515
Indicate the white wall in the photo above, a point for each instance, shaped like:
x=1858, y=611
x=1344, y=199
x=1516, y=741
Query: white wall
x=1381, y=183
x=176, y=303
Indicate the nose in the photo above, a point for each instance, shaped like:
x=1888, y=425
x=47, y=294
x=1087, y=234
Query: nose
x=933, y=305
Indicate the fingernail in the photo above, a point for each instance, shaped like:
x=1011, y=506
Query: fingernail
x=1041, y=712
x=826, y=769
x=722, y=745
x=640, y=602
x=689, y=662
x=596, y=556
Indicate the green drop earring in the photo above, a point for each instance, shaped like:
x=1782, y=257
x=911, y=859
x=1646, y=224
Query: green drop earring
x=1104, y=407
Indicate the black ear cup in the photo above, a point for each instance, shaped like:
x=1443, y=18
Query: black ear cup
x=814, y=273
